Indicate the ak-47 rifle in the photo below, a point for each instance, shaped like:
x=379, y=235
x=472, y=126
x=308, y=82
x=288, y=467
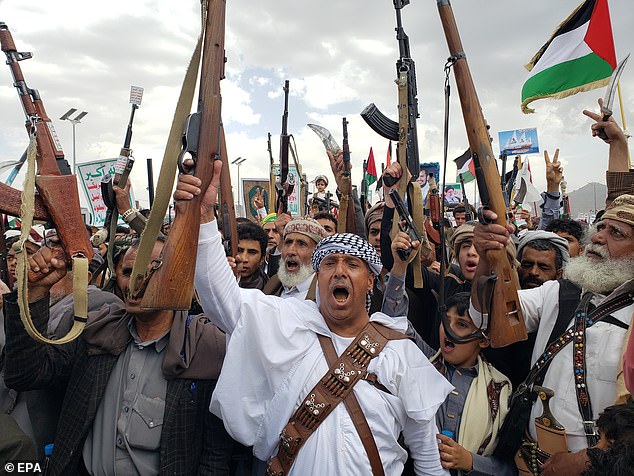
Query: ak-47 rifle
x=171, y=285
x=285, y=186
x=57, y=188
x=506, y=324
x=378, y=121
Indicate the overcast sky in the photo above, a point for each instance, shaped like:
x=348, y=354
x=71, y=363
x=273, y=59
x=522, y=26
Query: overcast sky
x=338, y=55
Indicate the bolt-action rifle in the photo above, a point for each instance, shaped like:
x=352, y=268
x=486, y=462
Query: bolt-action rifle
x=56, y=187
x=171, y=285
x=499, y=299
x=378, y=121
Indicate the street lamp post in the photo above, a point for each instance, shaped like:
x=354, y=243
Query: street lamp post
x=74, y=121
x=239, y=161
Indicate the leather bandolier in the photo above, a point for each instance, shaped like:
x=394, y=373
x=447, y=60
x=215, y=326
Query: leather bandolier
x=334, y=387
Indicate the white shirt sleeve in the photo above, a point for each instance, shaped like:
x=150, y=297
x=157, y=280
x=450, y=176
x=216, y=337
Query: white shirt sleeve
x=215, y=283
x=420, y=438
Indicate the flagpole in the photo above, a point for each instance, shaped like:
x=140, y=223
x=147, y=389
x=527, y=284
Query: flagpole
x=618, y=89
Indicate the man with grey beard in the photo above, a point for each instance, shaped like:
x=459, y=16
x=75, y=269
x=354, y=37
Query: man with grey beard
x=295, y=275
x=586, y=348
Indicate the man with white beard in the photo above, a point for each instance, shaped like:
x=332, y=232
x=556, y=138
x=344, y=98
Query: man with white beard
x=295, y=274
x=579, y=352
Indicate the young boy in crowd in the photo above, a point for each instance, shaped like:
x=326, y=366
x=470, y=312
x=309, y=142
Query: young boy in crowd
x=252, y=243
x=472, y=415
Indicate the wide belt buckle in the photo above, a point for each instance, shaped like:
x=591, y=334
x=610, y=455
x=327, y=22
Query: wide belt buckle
x=590, y=428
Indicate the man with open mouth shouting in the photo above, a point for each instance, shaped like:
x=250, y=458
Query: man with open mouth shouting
x=291, y=364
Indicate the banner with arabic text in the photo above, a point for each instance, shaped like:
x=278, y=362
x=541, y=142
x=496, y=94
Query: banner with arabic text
x=90, y=175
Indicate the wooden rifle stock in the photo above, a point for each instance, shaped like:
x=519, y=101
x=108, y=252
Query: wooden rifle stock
x=506, y=323
x=171, y=285
x=59, y=192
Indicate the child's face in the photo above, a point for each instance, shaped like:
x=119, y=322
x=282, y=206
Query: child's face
x=460, y=355
x=321, y=185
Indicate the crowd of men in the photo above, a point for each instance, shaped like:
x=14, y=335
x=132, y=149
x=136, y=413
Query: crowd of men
x=326, y=355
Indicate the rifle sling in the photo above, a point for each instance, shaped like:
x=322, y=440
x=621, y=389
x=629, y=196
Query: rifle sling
x=168, y=168
x=79, y=267
x=333, y=388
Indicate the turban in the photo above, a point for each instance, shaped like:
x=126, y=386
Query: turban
x=306, y=226
x=374, y=214
x=463, y=233
x=269, y=218
x=621, y=209
x=322, y=177
x=347, y=244
x=560, y=243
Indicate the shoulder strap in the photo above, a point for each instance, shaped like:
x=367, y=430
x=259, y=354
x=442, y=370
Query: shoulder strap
x=569, y=294
x=273, y=286
x=333, y=388
x=356, y=413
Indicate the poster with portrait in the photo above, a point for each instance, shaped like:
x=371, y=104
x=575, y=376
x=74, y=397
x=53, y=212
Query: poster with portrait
x=426, y=171
x=452, y=194
x=250, y=187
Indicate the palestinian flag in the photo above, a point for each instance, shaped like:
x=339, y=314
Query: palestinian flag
x=370, y=170
x=465, y=166
x=388, y=159
x=578, y=57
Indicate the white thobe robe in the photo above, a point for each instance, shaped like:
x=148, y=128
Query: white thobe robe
x=274, y=359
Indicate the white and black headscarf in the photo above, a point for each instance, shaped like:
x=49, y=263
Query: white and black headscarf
x=348, y=244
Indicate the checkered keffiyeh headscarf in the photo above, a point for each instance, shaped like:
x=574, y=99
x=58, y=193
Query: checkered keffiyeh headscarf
x=347, y=244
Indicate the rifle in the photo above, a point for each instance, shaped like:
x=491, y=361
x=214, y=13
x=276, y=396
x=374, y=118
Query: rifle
x=506, y=324
x=465, y=200
x=346, y=222
x=406, y=224
x=122, y=168
x=378, y=121
x=433, y=224
x=565, y=200
x=57, y=188
x=285, y=186
x=272, y=189
x=171, y=284
x=364, y=189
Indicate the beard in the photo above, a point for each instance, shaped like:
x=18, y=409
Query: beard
x=602, y=276
x=290, y=279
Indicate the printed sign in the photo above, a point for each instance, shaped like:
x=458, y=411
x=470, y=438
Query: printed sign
x=136, y=95
x=519, y=141
x=295, y=200
x=453, y=194
x=249, y=190
x=90, y=175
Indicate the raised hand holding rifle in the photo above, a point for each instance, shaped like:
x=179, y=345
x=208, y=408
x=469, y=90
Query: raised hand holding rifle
x=171, y=283
x=498, y=296
x=59, y=193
